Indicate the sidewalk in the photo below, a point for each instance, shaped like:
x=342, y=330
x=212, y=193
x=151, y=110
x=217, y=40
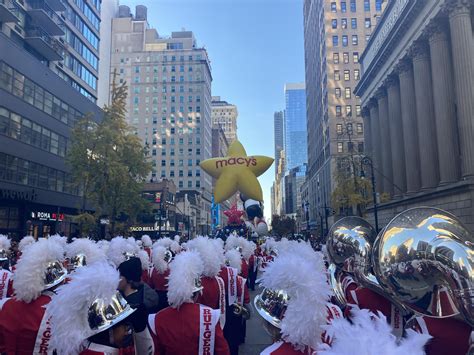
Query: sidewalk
x=257, y=339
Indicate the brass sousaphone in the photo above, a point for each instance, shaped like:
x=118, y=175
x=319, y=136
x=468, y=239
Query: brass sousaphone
x=425, y=258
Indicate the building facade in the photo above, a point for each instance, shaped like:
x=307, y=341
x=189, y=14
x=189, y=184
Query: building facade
x=37, y=112
x=335, y=35
x=225, y=115
x=169, y=105
x=418, y=101
x=220, y=145
x=294, y=126
x=278, y=136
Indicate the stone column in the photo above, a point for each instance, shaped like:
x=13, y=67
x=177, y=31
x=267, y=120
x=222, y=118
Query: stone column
x=444, y=106
x=368, y=150
x=462, y=45
x=387, y=181
x=396, y=135
x=425, y=114
x=376, y=145
x=409, y=123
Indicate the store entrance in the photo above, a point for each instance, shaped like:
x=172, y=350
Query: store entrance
x=39, y=229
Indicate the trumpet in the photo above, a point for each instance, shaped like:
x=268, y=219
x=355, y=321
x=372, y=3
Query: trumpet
x=240, y=311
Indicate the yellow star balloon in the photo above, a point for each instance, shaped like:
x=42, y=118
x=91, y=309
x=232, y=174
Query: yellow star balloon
x=237, y=172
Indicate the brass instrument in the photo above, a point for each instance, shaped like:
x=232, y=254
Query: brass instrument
x=240, y=311
x=425, y=258
x=334, y=274
x=271, y=305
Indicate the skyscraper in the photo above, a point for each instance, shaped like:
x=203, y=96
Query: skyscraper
x=225, y=115
x=49, y=57
x=63, y=35
x=295, y=135
x=335, y=35
x=278, y=136
x=169, y=99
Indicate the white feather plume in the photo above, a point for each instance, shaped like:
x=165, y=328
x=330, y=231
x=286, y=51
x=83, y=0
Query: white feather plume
x=144, y=259
x=103, y=245
x=69, y=308
x=232, y=242
x=209, y=255
x=219, y=249
x=269, y=244
x=87, y=247
x=177, y=238
x=5, y=242
x=158, y=256
x=118, y=247
x=59, y=239
x=303, y=276
x=185, y=268
x=164, y=242
x=146, y=241
x=371, y=335
x=30, y=270
x=234, y=259
x=25, y=241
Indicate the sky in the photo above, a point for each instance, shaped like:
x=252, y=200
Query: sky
x=255, y=47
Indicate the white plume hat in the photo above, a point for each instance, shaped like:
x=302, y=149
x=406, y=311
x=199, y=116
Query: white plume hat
x=87, y=247
x=25, y=241
x=30, y=273
x=209, y=255
x=103, y=245
x=233, y=259
x=169, y=244
x=90, y=287
x=177, y=238
x=370, y=334
x=146, y=241
x=120, y=249
x=59, y=239
x=185, y=273
x=301, y=274
x=158, y=256
x=144, y=259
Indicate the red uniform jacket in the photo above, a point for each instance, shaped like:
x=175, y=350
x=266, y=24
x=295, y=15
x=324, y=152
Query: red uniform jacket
x=223, y=274
x=158, y=281
x=210, y=293
x=146, y=277
x=6, y=284
x=20, y=324
x=245, y=269
x=98, y=349
x=177, y=331
x=450, y=335
x=348, y=285
x=148, y=251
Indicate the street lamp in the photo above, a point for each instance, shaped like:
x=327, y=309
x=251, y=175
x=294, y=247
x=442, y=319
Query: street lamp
x=367, y=161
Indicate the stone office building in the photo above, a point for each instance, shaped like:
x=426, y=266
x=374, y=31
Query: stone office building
x=417, y=94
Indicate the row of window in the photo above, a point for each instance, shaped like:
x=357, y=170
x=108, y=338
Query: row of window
x=181, y=173
x=345, y=40
x=82, y=49
x=353, y=6
x=77, y=21
x=180, y=141
x=25, y=172
x=350, y=129
x=345, y=57
x=23, y=129
x=348, y=111
x=80, y=70
x=172, y=151
x=171, y=162
x=347, y=75
x=164, y=110
x=164, y=89
x=164, y=58
x=351, y=147
x=180, y=130
x=180, y=182
x=334, y=23
x=89, y=13
x=154, y=99
x=19, y=85
x=164, y=69
x=171, y=120
x=164, y=79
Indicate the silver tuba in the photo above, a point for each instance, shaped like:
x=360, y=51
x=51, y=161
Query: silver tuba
x=425, y=258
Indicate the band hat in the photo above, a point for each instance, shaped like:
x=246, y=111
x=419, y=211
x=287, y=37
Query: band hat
x=208, y=252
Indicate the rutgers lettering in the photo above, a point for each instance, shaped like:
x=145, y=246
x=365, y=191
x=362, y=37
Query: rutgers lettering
x=45, y=339
x=236, y=161
x=207, y=333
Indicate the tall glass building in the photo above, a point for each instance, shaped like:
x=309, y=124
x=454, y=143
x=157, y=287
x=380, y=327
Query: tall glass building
x=295, y=133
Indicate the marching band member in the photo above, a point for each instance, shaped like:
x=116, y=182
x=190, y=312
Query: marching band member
x=89, y=316
x=6, y=280
x=147, y=244
x=187, y=327
x=159, y=277
x=295, y=301
x=213, y=292
x=24, y=328
x=83, y=251
x=147, y=268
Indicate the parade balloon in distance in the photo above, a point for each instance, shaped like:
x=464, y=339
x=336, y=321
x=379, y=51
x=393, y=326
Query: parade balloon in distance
x=237, y=172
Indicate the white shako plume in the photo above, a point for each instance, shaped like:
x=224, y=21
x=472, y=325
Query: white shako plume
x=209, y=255
x=69, y=308
x=87, y=247
x=5, y=242
x=158, y=255
x=185, y=269
x=234, y=259
x=146, y=241
x=302, y=275
x=120, y=249
x=25, y=241
x=144, y=259
x=29, y=275
x=370, y=334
